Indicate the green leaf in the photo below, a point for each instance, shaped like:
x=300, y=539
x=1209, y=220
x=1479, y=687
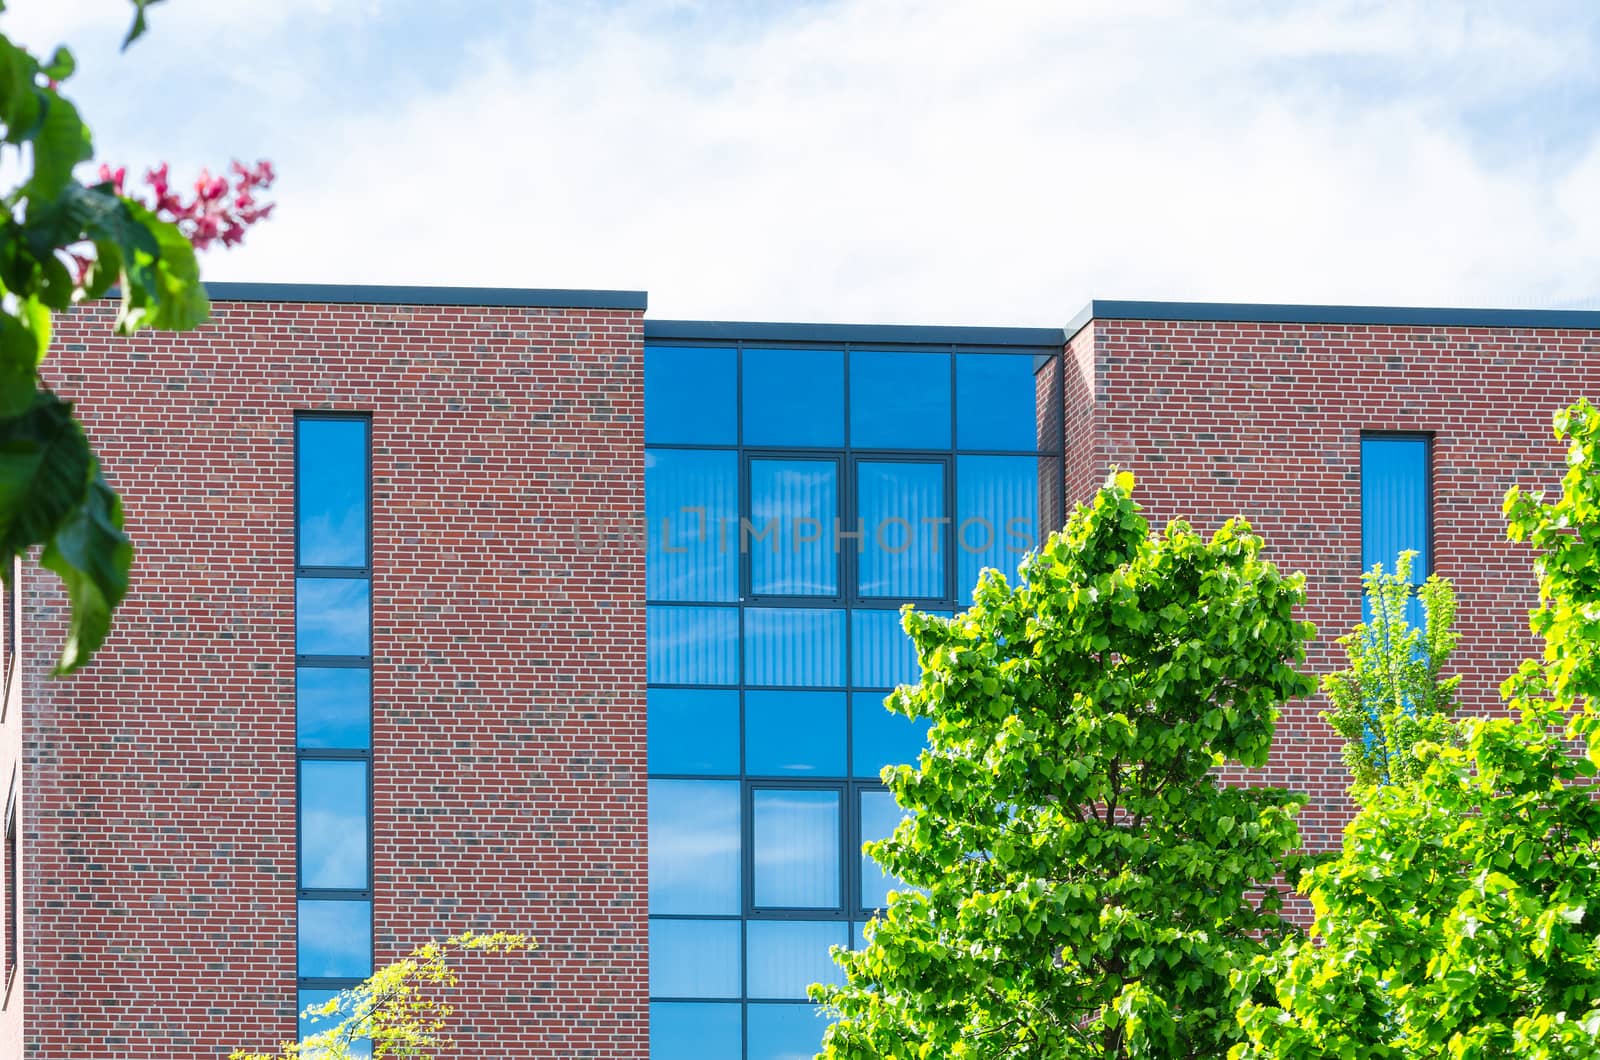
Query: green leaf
x=19, y=359
x=162, y=290
x=60, y=66
x=44, y=473
x=139, y=26
x=19, y=96
x=93, y=557
x=60, y=144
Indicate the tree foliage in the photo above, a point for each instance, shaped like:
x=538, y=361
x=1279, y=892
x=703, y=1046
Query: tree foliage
x=1394, y=696
x=1462, y=918
x=1084, y=885
x=62, y=242
x=398, y=1011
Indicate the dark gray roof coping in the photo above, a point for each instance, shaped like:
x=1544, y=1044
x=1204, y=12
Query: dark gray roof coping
x=856, y=334
x=379, y=294
x=1268, y=313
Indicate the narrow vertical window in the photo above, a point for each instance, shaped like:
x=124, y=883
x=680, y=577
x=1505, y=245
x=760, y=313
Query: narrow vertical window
x=1396, y=508
x=12, y=879
x=333, y=703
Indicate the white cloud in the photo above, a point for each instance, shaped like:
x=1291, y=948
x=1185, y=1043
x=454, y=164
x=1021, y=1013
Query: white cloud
x=929, y=162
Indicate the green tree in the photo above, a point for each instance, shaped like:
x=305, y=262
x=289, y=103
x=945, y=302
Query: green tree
x=1462, y=917
x=62, y=242
x=1084, y=884
x=1394, y=696
x=398, y=1011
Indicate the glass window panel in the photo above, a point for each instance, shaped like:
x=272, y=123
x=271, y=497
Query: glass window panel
x=794, y=397
x=333, y=616
x=691, y=504
x=899, y=400
x=879, y=816
x=796, y=839
x=360, y=1049
x=781, y=1031
x=880, y=737
x=335, y=939
x=786, y=956
x=693, y=730
x=692, y=645
x=997, y=515
x=881, y=652
x=794, y=733
x=858, y=936
x=334, y=825
x=332, y=486
x=902, y=519
x=794, y=647
x=684, y=1030
x=694, y=846
x=694, y=958
x=996, y=401
x=794, y=509
x=1394, y=503
x=689, y=396
x=333, y=707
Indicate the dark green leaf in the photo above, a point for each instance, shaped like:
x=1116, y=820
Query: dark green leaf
x=93, y=557
x=19, y=95
x=60, y=66
x=139, y=26
x=61, y=143
x=44, y=473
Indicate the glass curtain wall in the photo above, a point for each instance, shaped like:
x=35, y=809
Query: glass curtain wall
x=333, y=705
x=796, y=496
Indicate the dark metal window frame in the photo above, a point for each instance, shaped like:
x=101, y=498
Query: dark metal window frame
x=848, y=913
x=1427, y=440
x=305, y=754
x=13, y=899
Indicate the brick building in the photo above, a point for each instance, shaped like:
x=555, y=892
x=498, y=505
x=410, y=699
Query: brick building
x=517, y=609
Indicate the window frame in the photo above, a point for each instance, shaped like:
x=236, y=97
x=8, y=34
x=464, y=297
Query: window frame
x=316, y=661
x=1427, y=438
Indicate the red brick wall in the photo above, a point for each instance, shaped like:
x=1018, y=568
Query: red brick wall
x=1265, y=420
x=508, y=673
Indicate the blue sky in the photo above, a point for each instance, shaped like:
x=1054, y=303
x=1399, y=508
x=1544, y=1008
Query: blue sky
x=881, y=160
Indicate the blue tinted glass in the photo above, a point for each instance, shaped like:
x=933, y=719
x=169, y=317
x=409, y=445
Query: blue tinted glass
x=880, y=737
x=879, y=816
x=694, y=958
x=796, y=839
x=794, y=647
x=794, y=397
x=332, y=616
x=858, y=935
x=333, y=493
x=689, y=395
x=903, y=525
x=694, y=846
x=692, y=645
x=335, y=939
x=899, y=400
x=786, y=956
x=881, y=653
x=687, y=1030
x=691, y=505
x=1394, y=503
x=794, y=733
x=794, y=509
x=785, y=1031
x=693, y=730
x=333, y=707
x=359, y=1050
x=333, y=825
x=995, y=401
x=997, y=515
x=312, y=1025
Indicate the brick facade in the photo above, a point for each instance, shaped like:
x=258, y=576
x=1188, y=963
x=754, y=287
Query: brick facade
x=159, y=823
x=508, y=679
x=1265, y=420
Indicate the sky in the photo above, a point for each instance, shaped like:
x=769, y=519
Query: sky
x=879, y=161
